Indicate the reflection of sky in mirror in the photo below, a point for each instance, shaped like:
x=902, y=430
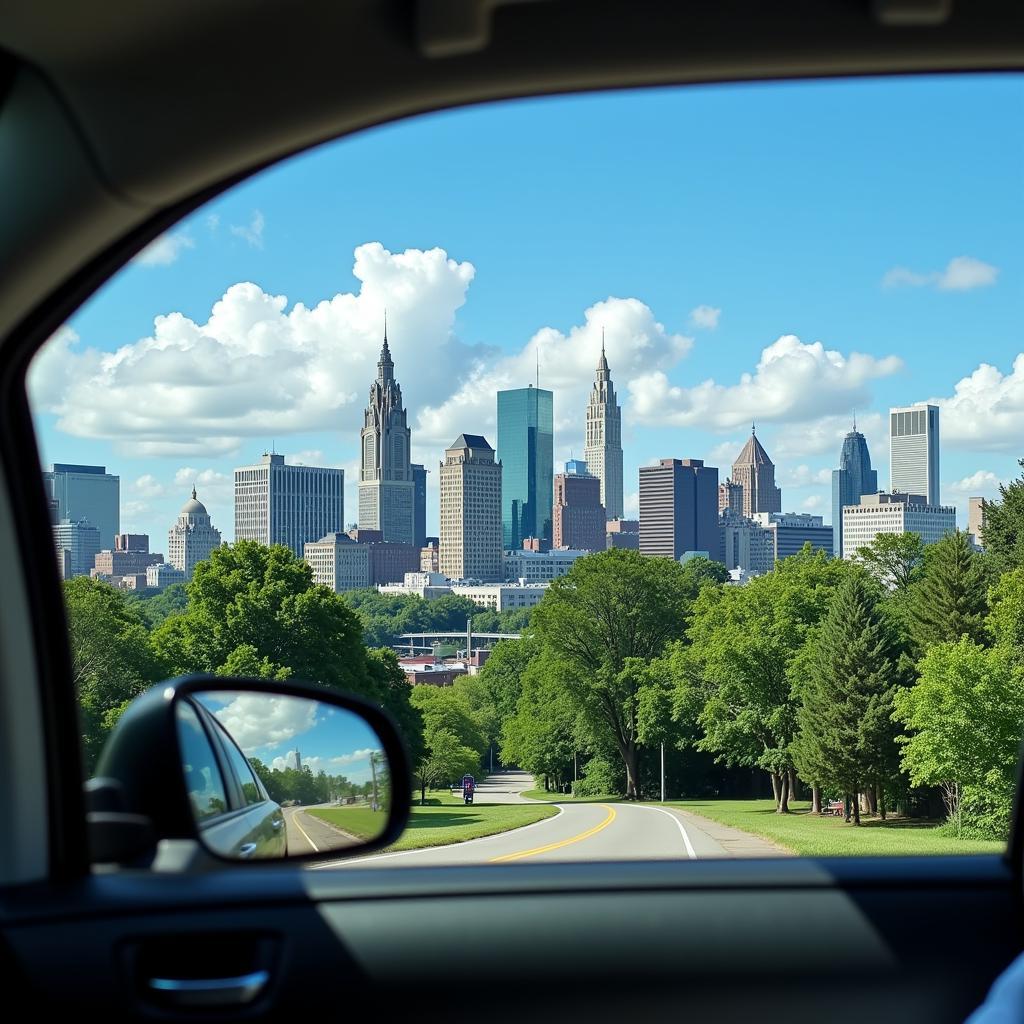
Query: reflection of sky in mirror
x=279, y=729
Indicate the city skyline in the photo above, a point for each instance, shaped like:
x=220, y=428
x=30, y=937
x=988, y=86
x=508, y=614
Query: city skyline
x=718, y=305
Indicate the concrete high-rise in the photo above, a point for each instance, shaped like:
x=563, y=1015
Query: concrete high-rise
x=291, y=505
x=526, y=451
x=976, y=521
x=755, y=473
x=193, y=537
x=339, y=562
x=790, y=531
x=603, y=449
x=387, y=490
x=419, y=505
x=894, y=513
x=679, y=509
x=578, y=515
x=85, y=492
x=730, y=498
x=914, y=451
x=470, y=544
x=77, y=544
x=853, y=478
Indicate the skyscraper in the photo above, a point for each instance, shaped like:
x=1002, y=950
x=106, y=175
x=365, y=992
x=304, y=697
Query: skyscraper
x=290, y=505
x=85, y=492
x=603, y=450
x=526, y=450
x=77, y=544
x=470, y=545
x=193, y=537
x=914, y=451
x=853, y=478
x=755, y=473
x=679, y=509
x=578, y=515
x=386, y=486
x=730, y=498
x=419, y=505
x=976, y=520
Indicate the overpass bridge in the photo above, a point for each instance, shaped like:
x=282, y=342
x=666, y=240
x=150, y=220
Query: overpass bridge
x=411, y=643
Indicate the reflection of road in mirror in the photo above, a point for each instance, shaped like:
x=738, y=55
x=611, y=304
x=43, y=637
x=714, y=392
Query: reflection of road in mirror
x=309, y=834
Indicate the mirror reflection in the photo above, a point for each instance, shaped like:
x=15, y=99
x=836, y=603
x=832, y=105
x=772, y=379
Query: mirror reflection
x=272, y=775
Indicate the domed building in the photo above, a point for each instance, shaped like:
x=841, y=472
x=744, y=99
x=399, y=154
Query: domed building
x=192, y=538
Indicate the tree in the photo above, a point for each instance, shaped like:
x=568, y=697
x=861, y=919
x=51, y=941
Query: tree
x=965, y=717
x=1004, y=525
x=610, y=607
x=444, y=707
x=112, y=660
x=155, y=608
x=949, y=600
x=846, y=736
x=444, y=760
x=257, y=607
x=735, y=682
x=894, y=559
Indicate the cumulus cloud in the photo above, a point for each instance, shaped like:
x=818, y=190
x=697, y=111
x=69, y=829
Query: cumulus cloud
x=341, y=765
x=793, y=381
x=986, y=409
x=634, y=340
x=256, y=369
x=962, y=273
x=255, y=720
x=723, y=455
x=147, y=486
x=251, y=232
x=213, y=221
x=631, y=505
x=983, y=483
x=164, y=250
x=824, y=436
x=804, y=476
x=813, y=502
x=705, y=317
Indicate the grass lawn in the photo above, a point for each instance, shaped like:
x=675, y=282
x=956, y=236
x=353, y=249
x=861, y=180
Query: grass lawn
x=564, y=798
x=357, y=821
x=814, y=836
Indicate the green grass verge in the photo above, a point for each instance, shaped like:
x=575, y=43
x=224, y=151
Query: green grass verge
x=451, y=821
x=564, y=798
x=360, y=822
x=814, y=836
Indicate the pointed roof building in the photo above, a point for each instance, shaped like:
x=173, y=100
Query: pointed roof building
x=754, y=471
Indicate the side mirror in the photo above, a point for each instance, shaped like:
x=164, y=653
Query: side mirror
x=257, y=770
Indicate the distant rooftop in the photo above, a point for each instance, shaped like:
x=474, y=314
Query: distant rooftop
x=70, y=467
x=471, y=441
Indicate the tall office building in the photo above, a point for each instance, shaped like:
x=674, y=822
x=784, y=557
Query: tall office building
x=526, y=451
x=730, y=497
x=790, y=531
x=679, y=509
x=470, y=545
x=853, y=478
x=387, y=489
x=85, y=492
x=193, y=538
x=339, y=562
x=746, y=545
x=419, y=505
x=976, y=521
x=755, y=473
x=914, y=451
x=77, y=544
x=290, y=505
x=578, y=515
x=894, y=513
x=603, y=450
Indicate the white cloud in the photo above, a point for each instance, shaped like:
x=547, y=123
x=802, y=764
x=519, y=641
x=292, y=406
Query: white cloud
x=352, y=758
x=256, y=370
x=986, y=409
x=705, y=317
x=164, y=250
x=631, y=505
x=804, y=476
x=147, y=486
x=634, y=341
x=723, y=455
x=251, y=232
x=256, y=720
x=813, y=502
x=983, y=483
x=824, y=436
x=962, y=273
x=792, y=382
x=211, y=485
x=213, y=221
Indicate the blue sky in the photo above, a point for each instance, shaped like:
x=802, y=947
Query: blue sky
x=848, y=245
x=273, y=728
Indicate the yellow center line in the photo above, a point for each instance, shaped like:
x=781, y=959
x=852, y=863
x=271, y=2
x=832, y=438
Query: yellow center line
x=564, y=842
x=295, y=819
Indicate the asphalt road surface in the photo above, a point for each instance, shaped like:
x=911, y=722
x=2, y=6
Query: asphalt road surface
x=307, y=834
x=585, y=832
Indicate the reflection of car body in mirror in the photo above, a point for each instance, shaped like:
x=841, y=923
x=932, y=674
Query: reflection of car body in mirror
x=235, y=815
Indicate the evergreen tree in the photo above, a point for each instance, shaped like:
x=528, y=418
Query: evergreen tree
x=846, y=737
x=1004, y=525
x=949, y=601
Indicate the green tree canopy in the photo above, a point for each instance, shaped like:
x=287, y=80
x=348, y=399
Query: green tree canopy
x=894, y=559
x=1004, y=525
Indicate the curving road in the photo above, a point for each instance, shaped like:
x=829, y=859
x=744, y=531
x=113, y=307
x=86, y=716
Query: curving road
x=585, y=832
x=307, y=834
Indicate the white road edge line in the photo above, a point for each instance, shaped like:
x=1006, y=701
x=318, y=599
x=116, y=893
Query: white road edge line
x=295, y=819
x=354, y=861
x=691, y=852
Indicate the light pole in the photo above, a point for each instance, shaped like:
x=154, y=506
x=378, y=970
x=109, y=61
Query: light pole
x=373, y=772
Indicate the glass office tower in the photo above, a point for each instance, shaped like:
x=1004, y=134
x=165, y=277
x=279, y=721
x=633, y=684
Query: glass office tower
x=526, y=449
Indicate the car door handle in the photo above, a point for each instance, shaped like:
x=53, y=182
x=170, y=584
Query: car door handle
x=277, y=822
x=246, y=850
x=211, y=991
